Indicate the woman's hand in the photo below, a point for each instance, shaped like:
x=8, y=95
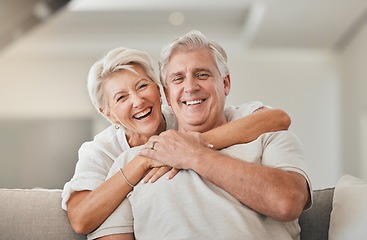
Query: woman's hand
x=155, y=173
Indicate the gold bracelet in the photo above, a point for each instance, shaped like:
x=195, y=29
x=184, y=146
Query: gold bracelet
x=126, y=179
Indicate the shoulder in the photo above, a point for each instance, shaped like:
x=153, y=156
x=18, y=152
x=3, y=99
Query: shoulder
x=284, y=136
x=236, y=112
x=110, y=142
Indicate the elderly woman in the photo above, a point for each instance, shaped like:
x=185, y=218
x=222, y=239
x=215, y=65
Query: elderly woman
x=124, y=89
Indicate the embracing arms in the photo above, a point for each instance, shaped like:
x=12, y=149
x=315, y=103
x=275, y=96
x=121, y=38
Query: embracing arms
x=279, y=194
x=248, y=128
x=88, y=209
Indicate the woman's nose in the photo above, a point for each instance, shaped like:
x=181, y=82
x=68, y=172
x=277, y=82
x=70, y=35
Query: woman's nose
x=137, y=100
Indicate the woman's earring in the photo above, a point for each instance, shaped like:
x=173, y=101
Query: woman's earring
x=117, y=126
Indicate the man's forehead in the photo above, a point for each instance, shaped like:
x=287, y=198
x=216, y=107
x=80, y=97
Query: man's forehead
x=191, y=61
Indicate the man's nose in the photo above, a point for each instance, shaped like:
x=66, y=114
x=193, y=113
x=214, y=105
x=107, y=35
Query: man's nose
x=191, y=85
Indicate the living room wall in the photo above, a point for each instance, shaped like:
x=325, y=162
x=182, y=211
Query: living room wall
x=354, y=104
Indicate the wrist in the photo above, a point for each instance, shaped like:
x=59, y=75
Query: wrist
x=199, y=158
x=140, y=164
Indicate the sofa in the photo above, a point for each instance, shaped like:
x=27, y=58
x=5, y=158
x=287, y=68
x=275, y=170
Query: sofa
x=36, y=214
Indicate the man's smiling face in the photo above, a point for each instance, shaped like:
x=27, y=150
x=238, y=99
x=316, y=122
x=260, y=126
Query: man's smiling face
x=195, y=90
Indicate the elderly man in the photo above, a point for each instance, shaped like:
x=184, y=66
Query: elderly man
x=248, y=191
x=264, y=181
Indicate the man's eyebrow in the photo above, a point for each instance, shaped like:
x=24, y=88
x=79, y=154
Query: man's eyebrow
x=202, y=69
x=179, y=73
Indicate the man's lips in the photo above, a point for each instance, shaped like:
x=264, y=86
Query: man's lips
x=143, y=114
x=193, y=102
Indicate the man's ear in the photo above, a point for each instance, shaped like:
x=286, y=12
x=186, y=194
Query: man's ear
x=227, y=85
x=167, y=96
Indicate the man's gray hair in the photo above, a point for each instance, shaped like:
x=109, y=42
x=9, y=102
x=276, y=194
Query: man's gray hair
x=191, y=41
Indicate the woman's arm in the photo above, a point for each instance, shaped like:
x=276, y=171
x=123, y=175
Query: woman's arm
x=88, y=209
x=248, y=128
x=243, y=130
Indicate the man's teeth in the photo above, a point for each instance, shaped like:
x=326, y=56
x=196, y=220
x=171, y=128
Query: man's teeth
x=194, y=102
x=142, y=114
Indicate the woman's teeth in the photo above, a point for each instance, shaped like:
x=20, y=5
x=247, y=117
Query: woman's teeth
x=194, y=102
x=143, y=113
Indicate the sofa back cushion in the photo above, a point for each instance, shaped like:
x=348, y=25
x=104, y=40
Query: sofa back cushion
x=315, y=222
x=34, y=214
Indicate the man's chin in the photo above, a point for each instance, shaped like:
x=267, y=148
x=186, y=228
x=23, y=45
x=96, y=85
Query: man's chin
x=195, y=126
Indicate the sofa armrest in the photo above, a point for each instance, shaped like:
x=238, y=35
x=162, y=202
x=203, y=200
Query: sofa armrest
x=316, y=221
x=34, y=214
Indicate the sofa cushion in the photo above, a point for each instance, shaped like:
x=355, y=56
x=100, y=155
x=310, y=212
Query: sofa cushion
x=34, y=214
x=349, y=214
x=315, y=221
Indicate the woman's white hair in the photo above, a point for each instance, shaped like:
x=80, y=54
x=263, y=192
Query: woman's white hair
x=115, y=60
x=191, y=41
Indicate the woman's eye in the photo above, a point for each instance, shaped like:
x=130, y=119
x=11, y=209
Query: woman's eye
x=121, y=98
x=143, y=86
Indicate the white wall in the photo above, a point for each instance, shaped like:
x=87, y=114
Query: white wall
x=43, y=86
x=355, y=104
x=306, y=85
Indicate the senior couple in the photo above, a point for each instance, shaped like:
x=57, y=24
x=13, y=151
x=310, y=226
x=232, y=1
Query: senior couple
x=217, y=173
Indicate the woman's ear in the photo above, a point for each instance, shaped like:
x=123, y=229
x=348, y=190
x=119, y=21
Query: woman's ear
x=159, y=90
x=227, y=85
x=108, y=115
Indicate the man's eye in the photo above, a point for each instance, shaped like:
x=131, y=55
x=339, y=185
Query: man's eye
x=202, y=75
x=177, y=80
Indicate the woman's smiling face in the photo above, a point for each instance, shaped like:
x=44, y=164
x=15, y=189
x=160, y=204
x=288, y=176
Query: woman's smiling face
x=134, y=101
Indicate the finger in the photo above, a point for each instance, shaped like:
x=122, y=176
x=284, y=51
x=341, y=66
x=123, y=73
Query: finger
x=172, y=173
x=151, y=144
x=208, y=145
x=147, y=152
x=159, y=173
x=150, y=175
x=150, y=141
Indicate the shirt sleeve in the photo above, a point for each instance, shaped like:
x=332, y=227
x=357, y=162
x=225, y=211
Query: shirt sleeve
x=90, y=172
x=283, y=150
x=233, y=113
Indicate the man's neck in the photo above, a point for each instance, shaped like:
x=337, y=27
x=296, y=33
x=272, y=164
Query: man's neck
x=201, y=128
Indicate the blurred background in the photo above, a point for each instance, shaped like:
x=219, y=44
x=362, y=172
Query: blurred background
x=305, y=57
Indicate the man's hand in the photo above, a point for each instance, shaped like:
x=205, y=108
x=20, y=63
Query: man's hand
x=174, y=148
